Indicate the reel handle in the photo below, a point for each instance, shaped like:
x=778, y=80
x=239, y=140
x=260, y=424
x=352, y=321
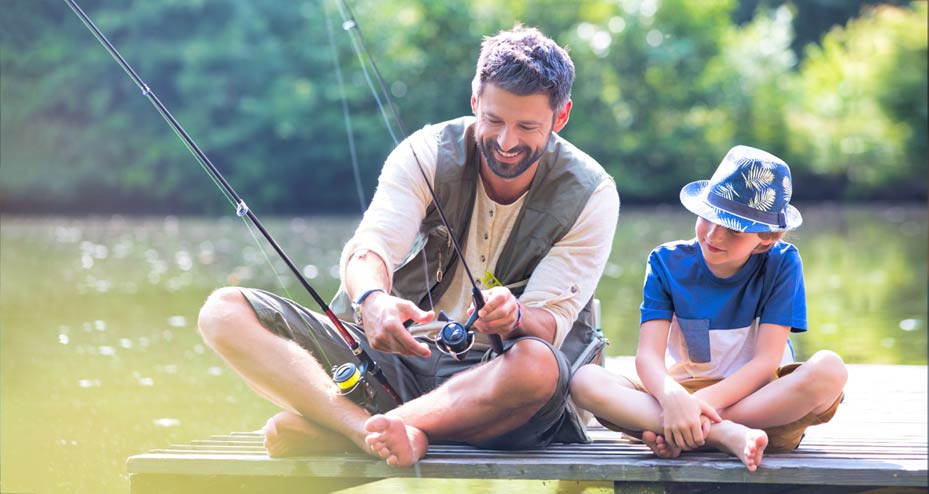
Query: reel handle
x=495, y=341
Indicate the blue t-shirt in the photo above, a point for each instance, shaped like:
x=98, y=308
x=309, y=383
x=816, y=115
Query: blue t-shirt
x=715, y=321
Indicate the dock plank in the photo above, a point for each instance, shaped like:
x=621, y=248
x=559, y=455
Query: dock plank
x=878, y=438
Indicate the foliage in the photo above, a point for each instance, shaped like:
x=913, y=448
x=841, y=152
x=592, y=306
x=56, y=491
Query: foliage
x=812, y=18
x=863, y=114
x=663, y=89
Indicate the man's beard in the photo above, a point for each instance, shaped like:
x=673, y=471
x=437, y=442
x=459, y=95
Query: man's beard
x=508, y=170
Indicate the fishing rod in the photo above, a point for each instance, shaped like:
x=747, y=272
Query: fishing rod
x=346, y=376
x=454, y=337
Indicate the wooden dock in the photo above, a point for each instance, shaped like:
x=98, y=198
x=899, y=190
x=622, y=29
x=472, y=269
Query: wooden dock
x=877, y=442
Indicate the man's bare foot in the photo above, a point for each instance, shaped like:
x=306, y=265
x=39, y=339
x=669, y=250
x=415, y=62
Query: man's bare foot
x=392, y=440
x=659, y=446
x=289, y=434
x=747, y=444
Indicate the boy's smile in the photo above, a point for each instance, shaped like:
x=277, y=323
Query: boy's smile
x=713, y=248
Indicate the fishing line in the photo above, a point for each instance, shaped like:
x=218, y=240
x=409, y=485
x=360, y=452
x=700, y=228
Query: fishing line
x=346, y=115
x=351, y=25
x=348, y=121
x=348, y=23
x=242, y=210
x=363, y=65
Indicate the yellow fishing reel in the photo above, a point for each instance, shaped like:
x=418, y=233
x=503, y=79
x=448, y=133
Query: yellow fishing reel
x=350, y=380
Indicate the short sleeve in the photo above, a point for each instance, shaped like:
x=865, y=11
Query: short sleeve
x=786, y=303
x=656, y=295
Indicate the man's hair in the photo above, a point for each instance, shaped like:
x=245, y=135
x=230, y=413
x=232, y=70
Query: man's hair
x=524, y=61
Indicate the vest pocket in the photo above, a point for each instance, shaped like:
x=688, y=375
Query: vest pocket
x=697, y=334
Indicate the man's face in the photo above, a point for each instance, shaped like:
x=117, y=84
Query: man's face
x=512, y=131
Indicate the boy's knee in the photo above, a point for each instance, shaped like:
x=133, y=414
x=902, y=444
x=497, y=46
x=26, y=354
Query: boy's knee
x=828, y=369
x=586, y=377
x=831, y=364
x=584, y=384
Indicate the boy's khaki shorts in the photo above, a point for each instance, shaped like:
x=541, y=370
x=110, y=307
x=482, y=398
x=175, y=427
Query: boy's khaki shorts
x=781, y=438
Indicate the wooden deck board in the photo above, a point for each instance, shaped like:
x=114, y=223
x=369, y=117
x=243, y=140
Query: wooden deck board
x=877, y=438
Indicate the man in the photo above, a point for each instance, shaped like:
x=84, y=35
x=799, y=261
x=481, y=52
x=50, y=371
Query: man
x=535, y=217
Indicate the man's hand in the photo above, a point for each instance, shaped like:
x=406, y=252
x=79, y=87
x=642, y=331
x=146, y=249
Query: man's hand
x=383, y=316
x=685, y=415
x=499, y=314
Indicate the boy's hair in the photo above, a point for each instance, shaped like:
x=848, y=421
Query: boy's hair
x=775, y=236
x=524, y=61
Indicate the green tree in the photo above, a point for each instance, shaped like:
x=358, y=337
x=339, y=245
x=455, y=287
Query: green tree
x=663, y=89
x=862, y=115
x=812, y=18
x=638, y=106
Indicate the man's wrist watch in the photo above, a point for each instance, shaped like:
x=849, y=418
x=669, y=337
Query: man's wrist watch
x=356, y=305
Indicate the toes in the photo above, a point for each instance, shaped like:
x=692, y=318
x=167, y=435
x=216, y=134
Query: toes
x=381, y=451
x=377, y=423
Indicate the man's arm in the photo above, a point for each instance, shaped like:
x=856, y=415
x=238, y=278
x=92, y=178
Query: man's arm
x=382, y=239
x=383, y=315
x=565, y=280
x=365, y=270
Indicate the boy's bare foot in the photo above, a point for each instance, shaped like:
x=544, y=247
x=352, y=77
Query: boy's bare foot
x=289, y=434
x=659, y=446
x=392, y=440
x=747, y=444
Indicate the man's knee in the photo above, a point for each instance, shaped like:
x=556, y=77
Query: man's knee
x=222, y=309
x=533, y=371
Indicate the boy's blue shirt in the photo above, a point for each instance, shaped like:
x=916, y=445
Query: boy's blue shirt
x=715, y=320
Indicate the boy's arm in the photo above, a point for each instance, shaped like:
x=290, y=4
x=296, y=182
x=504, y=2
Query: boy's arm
x=681, y=411
x=769, y=350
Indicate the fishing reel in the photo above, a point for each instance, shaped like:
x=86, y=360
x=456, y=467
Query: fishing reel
x=455, y=339
x=351, y=382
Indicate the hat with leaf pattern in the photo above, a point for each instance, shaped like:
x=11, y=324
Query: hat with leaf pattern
x=749, y=192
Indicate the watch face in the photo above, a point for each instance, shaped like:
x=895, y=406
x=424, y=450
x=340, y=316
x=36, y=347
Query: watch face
x=356, y=309
x=356, y=305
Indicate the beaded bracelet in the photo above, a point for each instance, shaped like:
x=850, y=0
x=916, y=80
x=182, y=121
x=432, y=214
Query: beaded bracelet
x=519, y=316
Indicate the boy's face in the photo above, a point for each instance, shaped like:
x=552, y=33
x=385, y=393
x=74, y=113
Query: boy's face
x=725, y=250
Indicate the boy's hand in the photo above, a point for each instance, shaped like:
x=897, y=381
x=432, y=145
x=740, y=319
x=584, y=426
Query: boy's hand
x=686, y=419
x=705, y=424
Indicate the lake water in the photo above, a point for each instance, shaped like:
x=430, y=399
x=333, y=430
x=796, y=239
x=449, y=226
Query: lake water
x=101, y=360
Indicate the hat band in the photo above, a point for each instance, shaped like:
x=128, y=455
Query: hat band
x=739, y=209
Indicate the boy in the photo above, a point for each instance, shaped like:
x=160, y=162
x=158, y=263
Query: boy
x=722, y=306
